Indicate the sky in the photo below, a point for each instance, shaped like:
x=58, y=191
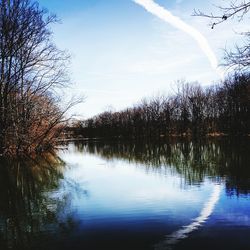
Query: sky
x=121, y=52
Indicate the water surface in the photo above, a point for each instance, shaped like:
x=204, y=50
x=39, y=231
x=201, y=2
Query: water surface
x=127, y=195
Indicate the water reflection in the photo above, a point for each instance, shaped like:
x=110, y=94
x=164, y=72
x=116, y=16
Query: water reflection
x=183, y=233
x=27, y=206
x=128, y=195
x=225, y=160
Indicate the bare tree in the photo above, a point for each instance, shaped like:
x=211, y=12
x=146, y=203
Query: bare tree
x=31, y=69
x=234, y=9
x=238, y=58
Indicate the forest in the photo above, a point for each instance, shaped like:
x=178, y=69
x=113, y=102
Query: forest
x=222, y=109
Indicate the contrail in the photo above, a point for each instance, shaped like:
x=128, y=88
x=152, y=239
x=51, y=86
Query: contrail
x=197, y=222
x=168, y=17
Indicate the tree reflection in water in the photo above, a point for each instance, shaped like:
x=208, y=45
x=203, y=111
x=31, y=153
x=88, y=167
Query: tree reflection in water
x=27, y=207
x=36, y=196
x=219, y=159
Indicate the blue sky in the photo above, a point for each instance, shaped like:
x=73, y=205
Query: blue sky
x=121, y=53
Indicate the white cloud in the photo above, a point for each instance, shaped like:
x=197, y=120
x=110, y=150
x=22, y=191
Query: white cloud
x=168, y=17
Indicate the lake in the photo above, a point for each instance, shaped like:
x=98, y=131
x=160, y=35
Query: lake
x=129, y=195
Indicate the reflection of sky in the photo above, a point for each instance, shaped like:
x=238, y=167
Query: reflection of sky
x=238, y=213
x=110, y=196
x=117, y=189
x=186, y=230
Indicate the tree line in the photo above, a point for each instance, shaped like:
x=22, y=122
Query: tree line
x=192, y=111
